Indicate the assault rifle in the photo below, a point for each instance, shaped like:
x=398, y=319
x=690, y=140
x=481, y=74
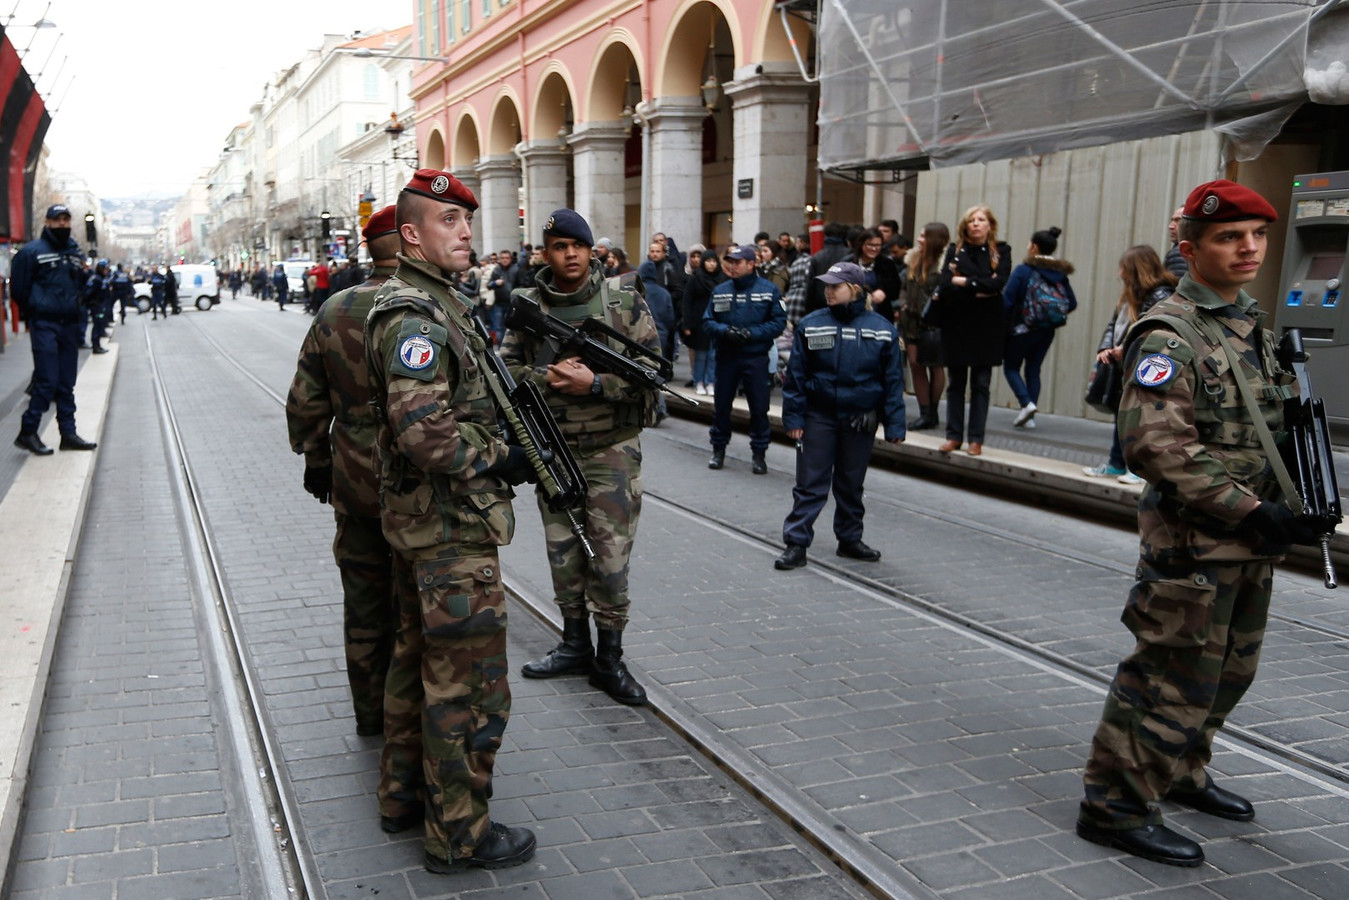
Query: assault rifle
x=637, y=364
x=1307, y=451
x=530, y=425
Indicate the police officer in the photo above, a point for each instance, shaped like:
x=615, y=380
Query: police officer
x=602, y=417
x=1212, y=521
x=121, y=290
x=98, y=300
x=445, y=505
x=330, y=421
x=844, y=376
x=744, y=316
x=47, y=279
x=159, y=296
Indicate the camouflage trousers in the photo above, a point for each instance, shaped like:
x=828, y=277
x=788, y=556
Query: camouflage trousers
x=448, y=697
x=1199, y=636
x=613, y=505
x=369, y=612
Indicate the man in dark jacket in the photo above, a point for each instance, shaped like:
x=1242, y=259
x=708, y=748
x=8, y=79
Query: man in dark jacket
x=46, y=280
x=1176, y=264
x=171, y=289
x=744, y=316
x=835, y=250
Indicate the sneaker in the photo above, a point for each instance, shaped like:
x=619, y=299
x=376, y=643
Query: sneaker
x=1104, y=470
x=1030, y=423
x=1129, y=478
x=711, y=389
x=1025, y=417
x=702, y=389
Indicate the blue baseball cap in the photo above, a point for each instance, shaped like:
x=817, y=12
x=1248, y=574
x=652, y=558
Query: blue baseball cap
x=844, y=273
x=57, y=209
x=735, y=251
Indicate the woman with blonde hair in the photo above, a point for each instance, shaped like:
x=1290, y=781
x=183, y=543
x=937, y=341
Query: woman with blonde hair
x=922, y=274
x=973, y=327
x=1145, y=282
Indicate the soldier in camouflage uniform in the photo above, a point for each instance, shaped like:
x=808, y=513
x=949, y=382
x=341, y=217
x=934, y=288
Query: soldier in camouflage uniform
x=445, y=503
x=1212, y=521
x=330, y=421
x=602, y=417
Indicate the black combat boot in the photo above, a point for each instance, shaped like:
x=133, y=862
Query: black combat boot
x=760, y=465
x=718, y=459
x=610, y=674
x=574, y=656
x=28, y=440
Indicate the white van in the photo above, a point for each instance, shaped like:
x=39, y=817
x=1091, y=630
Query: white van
x=295, y=269
x=197, y=285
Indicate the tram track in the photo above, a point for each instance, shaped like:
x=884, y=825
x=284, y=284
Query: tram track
x=282, y=865
x=853, y=854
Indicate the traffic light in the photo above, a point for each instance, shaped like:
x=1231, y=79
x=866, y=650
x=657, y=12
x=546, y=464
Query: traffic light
x=326, y=218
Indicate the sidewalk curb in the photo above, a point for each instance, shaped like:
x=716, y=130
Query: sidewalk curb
x=1048, y=482
x=36, y=589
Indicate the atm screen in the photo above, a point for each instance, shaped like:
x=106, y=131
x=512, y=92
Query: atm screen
x=1324, y=268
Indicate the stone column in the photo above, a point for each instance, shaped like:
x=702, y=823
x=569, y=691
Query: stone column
x=771, y=112
x=469, y=177
x=597, y=168
x=498, y=215
x=545, y=184
x=676, y=168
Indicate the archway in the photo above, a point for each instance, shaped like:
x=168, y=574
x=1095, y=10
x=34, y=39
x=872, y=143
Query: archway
x=467, y=147
x=434, y=155
x=608, y=147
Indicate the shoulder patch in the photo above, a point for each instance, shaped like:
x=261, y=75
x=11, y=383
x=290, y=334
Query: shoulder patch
x=420, y=344
x=1155, y=370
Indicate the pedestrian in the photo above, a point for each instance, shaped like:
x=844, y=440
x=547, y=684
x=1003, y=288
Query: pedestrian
x=122, y=291
x=236, y=281
x=601, y=415
x=159, y=294
x=1144, y=284
x=322, y=284
x=1036, y=301
x=743, y=317
x=1202, y=394
x=970, y=315
x=445, y=505
x=97, y=299
x=331, y=422
x=845, y=376
x=835, y=249
x=282, y=286
x=702, y=349
x=171, y=289
x=768, y=267
x=922, y=274
x=46, y=281
x=1175, y=260
x=882, y=273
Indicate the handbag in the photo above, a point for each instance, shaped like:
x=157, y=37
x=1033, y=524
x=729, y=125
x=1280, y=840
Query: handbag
x=929, y=347
x=1105, y=388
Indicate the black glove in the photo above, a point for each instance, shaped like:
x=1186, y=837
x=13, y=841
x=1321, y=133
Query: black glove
x=318, y=481
x=1275, y=523
x=865, y=423
x=736, y=336
x=516, y=467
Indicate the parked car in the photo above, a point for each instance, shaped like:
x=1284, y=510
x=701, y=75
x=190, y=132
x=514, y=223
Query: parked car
x=198, y=285
x=295, y=269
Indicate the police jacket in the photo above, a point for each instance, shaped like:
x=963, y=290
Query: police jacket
x=745, y=302
x=47, y=281
x=845, y=360
x=121, y=284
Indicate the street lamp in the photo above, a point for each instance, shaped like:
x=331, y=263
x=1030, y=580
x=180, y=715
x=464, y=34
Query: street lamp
x=367, y=53
x=91, y=233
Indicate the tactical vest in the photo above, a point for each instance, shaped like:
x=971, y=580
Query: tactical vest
x=586, y=420
x=422, y=509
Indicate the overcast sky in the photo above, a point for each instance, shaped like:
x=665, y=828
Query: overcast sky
x=160, y=83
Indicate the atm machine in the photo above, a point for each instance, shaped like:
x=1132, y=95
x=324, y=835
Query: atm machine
x=1313, y=296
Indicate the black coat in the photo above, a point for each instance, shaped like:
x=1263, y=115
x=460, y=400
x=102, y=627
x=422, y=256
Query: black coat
x=973, y=327
x=697, y=291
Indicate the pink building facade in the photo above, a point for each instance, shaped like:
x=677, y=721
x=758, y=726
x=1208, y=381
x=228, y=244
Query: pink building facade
x=690, y=117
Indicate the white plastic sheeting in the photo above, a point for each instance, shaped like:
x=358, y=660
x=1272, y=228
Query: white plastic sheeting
x=958, y=81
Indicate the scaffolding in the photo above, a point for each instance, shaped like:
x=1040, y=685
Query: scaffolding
x=913, y=84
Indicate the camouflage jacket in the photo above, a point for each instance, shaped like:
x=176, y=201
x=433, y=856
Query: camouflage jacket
x=621, y=409
x=328, y=408
x=1185, y=428
x=438, y=437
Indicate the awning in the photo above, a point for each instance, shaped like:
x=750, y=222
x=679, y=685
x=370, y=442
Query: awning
x=23, y=127
x=913, y=83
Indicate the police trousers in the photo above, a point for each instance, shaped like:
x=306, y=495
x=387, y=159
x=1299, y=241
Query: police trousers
x=835, y=454
x=1199, y=637
x=56, y=362
x=733, y=370
x=447, y=697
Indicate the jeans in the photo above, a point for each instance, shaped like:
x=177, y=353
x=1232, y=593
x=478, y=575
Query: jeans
x=1116, y=452
x=959, y=376
x=705, y=365
x=1028, y=349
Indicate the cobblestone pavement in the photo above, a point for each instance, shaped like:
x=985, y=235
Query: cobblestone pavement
x=951, y=757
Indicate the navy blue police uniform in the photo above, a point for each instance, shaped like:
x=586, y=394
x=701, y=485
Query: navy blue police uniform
x=744, y=316
x=98, y=300
x=844, y=377
x=122, y=291
x=47, y=280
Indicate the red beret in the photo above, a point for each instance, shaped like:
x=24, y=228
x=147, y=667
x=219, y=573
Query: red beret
x=1227, y=201
x=380, y=224
x=441, y=186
